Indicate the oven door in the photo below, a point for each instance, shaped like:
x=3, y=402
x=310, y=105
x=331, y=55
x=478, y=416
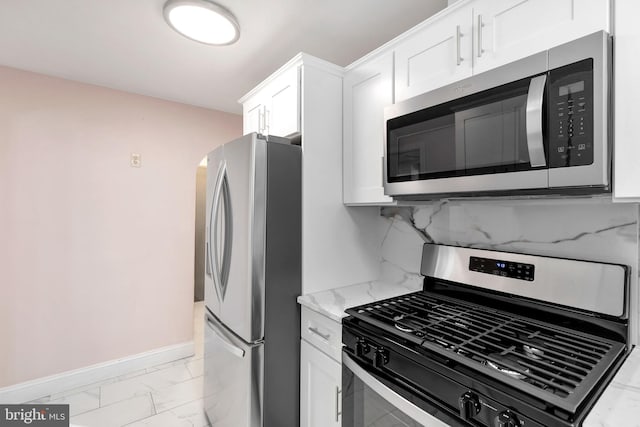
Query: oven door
x=368, y=399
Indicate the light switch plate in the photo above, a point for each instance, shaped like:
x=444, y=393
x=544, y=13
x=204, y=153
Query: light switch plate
x=135, y=160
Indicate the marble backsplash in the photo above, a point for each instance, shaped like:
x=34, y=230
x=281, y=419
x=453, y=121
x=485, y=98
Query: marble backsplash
x=585, y=228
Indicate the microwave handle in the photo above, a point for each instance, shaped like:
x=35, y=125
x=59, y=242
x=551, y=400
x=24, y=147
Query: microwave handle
x=534, y=121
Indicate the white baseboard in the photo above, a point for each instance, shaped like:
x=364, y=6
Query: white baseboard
x=41, y=387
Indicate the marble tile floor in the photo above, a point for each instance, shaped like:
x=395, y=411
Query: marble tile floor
x=168, y=395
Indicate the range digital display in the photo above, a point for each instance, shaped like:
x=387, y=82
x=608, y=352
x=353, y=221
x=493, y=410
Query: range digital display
x=496, y=267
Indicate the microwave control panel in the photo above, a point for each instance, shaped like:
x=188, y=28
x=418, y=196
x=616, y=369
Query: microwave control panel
x=570, y=115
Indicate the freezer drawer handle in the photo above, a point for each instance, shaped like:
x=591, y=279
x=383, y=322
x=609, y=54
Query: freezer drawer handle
x=230, y=347
x=320, y=334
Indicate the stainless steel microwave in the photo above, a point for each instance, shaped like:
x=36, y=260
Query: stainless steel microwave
x=535, y=126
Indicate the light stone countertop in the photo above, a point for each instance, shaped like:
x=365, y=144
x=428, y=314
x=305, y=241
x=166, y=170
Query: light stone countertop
x=334, y=302
x=619, y=405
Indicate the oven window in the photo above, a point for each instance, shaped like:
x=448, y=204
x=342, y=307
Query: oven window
x=375, y=398
x=484, y=133
x=363, y=407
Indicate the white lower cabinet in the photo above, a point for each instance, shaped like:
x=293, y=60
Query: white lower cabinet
x=320, y=388
x=320, y=370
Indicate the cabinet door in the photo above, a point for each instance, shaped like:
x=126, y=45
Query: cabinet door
x=252, y=116
x=320, y=388
x=627, y=91
x=506, y=30
x=368, y=89
x=435, y=56
x=283, y=104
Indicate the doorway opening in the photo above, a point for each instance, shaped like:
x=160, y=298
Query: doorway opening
x=200, y=229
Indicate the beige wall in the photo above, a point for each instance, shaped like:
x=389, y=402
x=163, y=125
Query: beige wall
x=96, y=257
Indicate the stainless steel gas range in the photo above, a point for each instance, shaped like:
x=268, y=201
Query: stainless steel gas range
x=493, y=339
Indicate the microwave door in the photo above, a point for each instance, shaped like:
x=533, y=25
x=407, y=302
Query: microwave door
x=490, y=141
x=501, y=140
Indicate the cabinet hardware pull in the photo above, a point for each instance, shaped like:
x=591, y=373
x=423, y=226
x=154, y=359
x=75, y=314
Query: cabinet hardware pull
x=458, y=35
x=480, y=25
x=320, y=334
x=338, y=411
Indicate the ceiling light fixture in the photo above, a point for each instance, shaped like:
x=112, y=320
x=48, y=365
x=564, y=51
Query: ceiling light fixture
x=202, y=20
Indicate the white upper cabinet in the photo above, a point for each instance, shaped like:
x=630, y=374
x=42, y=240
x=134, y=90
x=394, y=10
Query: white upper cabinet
x=477, y=35
x=305, y=96
x=253, y=112
x=507, y=30
x=626, y=179
x=437, y=54
x=283, y=104
x=368, y=89
x=274, y=109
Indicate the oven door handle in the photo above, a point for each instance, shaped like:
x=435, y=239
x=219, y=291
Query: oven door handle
x=411, y=410
x=535, y=141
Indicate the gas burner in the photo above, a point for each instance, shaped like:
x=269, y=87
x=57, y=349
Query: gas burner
x=401, y=327
x=533, y=352
x=507, y=367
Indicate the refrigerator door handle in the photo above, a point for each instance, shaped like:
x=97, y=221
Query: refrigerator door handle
x=213, y=227
x=207, y=260
x=236, y=351
x=228, y=234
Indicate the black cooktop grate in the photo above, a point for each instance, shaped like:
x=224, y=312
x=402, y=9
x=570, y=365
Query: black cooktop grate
x=555, y=363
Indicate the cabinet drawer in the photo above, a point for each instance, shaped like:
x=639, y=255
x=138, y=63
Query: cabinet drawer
x=322, y=332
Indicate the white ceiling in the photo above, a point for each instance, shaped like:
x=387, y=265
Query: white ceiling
x=126, y=44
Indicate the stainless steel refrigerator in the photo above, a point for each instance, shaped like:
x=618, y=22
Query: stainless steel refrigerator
x=252, y=278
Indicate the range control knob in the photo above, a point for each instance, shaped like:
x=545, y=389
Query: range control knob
x=381, y=357
x=362, y=347
x=507, y=419
x=469, y=405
